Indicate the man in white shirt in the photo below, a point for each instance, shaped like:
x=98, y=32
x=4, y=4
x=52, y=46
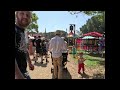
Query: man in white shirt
x=56, y=46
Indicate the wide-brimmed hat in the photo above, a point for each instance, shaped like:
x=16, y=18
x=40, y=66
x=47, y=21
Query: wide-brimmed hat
x=57, y=32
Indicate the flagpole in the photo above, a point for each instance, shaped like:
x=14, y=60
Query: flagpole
x=45, y=32
x=66, y=32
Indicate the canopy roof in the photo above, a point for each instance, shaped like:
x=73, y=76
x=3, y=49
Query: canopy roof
x=94, y=34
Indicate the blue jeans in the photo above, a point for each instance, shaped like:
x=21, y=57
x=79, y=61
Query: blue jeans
x=26, y=75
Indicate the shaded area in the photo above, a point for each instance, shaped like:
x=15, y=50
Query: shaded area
x=84, y=75
x=98, y=76
x=102, y=63
x=66, y=74
x=96, y=55
x=40, y=64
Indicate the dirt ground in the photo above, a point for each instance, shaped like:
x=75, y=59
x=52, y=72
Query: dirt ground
x=43, y=71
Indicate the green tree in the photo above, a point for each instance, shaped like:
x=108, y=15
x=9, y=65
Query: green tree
x=96, y=23
x=87, y=12
x=33, y=27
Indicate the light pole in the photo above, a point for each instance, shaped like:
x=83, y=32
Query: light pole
x=72, y=28
x=74, y=33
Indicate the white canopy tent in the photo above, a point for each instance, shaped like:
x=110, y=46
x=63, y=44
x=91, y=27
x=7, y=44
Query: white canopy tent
x=30, y=37
x=88, y=37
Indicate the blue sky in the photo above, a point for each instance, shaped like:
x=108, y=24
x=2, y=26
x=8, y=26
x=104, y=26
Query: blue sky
x=59, y=20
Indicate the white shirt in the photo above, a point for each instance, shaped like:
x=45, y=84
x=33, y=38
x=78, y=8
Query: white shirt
x=65, y=51
x=56, y=46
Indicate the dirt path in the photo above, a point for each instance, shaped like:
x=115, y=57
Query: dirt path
x=43, y=71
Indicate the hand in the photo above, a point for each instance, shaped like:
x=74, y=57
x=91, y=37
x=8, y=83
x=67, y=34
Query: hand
x=31, y=66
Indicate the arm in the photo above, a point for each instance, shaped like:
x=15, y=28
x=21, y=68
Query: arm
x=78, y=59
x=18, y=74
x=50, y=45
x=64, y=46
x=35, y=43
x=84, y=59
x=28, y=57
x=29, y=61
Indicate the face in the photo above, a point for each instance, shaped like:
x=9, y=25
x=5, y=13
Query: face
x=23, y=18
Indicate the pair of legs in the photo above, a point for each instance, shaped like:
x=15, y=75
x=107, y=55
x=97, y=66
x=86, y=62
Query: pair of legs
x=39, y=52
x=57, y=63
x=34, y=53
x=45, y=52
x=81, y=66
x=46, y=56
x=64, y=62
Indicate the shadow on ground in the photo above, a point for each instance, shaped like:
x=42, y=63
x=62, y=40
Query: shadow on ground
x=98, y=76
x=40, y=64
x=84, y=75
x=96, y=55
x=66, y=74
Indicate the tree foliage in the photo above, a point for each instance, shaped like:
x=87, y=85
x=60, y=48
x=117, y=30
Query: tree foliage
x=33, y=27
x=96, y=23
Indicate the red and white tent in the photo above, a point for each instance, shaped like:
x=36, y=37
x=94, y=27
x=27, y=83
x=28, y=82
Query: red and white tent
x=94, y=34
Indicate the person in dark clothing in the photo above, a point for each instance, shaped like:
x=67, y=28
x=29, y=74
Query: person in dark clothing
x=44, y=49
x=39, y=48
x=34, y=46
x=23, y=19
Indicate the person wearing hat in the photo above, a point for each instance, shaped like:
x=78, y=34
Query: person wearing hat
x=56, y=46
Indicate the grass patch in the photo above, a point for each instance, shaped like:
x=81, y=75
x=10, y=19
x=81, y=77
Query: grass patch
x=91, y=61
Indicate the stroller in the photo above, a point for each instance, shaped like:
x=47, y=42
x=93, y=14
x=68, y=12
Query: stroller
x=64, y=62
